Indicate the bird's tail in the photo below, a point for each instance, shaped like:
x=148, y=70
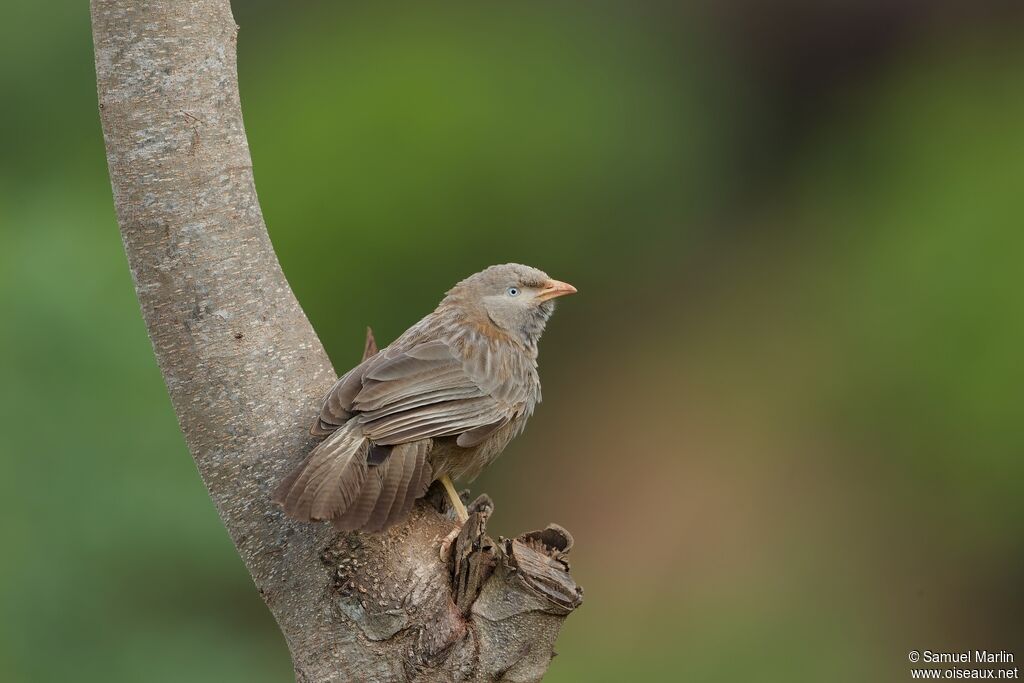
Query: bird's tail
x=340, y=481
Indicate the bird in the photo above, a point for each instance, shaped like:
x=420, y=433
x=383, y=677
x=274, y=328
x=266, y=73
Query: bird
x=439, y=403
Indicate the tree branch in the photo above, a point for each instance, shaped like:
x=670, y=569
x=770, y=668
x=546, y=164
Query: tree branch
x=245, y=370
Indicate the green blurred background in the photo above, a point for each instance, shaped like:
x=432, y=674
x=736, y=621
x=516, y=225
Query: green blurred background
x=783, y=418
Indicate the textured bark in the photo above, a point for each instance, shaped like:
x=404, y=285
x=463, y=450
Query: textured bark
x=245, y=371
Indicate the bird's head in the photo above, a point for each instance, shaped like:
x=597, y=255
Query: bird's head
x=514, y=298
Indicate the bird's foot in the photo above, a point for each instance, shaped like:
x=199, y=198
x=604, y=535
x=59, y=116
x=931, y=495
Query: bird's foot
x=448, y=541
x=478, y=513
x=454, y=498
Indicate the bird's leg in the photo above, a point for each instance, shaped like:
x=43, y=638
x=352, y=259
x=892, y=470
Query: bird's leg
x=453, y=496
x=460, y=511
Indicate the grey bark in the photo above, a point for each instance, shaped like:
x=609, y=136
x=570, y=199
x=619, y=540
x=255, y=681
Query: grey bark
x=245, y=371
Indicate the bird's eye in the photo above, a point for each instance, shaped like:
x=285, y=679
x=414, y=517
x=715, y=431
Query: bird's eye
x=512, y=291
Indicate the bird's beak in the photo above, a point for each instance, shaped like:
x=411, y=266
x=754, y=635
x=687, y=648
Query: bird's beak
x=553, y=289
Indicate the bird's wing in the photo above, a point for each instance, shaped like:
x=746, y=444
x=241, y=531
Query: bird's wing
x=428, y=391
x=336, y=409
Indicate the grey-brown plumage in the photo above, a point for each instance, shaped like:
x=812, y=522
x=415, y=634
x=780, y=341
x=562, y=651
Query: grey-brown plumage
x=443, y=400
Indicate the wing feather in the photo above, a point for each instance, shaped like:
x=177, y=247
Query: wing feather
x=429, y=391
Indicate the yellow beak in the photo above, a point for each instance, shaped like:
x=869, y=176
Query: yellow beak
x=555, y=288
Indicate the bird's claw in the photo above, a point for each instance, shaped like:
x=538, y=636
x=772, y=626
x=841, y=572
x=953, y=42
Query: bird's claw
x=448, y=541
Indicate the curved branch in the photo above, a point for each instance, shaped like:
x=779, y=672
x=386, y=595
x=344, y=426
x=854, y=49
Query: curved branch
x=244, y=370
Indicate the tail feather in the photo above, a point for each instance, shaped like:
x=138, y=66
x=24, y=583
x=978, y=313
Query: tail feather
x=403, y=471
x=391, y=476
x=329, y=480
x=390, y=490
x=335, y=452
x=358, y=513
x=421, y=478
x=337, y=482
x=409, y=488
x=322, y=469
x=340, y=484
